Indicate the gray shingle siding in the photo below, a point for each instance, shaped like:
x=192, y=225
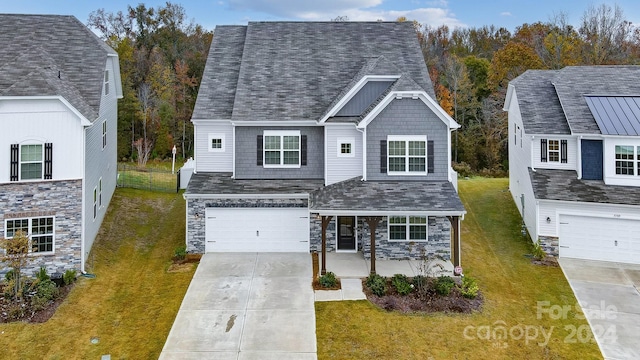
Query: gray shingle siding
x=407, y=117
x=246, y=154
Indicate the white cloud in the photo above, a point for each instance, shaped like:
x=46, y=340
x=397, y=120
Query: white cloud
x=356, y=10
x=506, y=13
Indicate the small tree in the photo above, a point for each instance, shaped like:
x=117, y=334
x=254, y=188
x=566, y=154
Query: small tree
x=16, y=256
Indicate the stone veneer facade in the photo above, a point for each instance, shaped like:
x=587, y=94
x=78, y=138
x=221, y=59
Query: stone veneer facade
x=550, y=245
x=60, y=199
x=196, y=219
x=438, y=243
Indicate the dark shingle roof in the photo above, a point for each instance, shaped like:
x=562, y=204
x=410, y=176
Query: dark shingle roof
x=223, y=183
x=34, y=49
x=295, y=70
x=553, y=101
x=355, y=194
x=564, y=185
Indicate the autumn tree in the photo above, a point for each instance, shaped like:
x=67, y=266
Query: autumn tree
x=606, y=33
x=16, y=257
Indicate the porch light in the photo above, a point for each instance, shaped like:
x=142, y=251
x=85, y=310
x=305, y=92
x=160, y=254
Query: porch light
x=548, y=220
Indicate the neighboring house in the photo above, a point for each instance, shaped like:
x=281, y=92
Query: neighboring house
x=59, y=85
x=574, y=159
x=312, y=132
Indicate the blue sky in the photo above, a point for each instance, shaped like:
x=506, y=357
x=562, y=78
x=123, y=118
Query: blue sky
x=463, y=13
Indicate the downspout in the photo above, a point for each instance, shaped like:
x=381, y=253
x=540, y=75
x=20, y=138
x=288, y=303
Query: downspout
x=364, y=153
x=84, y=203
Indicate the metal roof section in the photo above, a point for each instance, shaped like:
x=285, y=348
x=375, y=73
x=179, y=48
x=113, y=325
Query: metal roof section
x=616, y=115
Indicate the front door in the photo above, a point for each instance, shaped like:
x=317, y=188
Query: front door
x=346, y=233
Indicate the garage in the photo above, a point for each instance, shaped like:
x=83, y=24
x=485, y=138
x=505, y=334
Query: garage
x=597, y=238
x=257, y=230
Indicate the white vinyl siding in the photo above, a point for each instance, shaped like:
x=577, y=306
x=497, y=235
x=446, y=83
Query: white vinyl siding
x=536, y=148
x=340, y=168
x=614, y=166
x=220, y=160
x=553, y=209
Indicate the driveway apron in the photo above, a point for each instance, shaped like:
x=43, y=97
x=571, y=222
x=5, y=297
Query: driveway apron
x=246, y=306
x=608, y=295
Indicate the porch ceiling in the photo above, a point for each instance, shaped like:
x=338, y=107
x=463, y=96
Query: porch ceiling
x=388, y=197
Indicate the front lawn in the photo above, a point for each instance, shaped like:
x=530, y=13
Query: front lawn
x=128, y=309
x=529, y=311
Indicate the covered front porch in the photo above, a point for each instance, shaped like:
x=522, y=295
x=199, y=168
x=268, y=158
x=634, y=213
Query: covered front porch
x=354, y=265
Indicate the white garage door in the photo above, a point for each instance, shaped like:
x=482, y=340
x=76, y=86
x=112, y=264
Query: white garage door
x=594, y=238
x=257, y=230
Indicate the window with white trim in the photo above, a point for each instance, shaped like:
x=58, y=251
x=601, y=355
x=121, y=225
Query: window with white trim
x=95, y=202
x=627, y=160
x=345, y=147
x=216, y=142
x=104, y=134
x=553, y=150
x=106, y=82
x=40, y=231
x=100, y=193
x=31, y=161
x=281, y=149
x=407, y=228
x=406, y=155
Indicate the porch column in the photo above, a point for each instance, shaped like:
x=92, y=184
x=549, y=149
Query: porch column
x=373, y=221
x=325, y=223
x=455, y=239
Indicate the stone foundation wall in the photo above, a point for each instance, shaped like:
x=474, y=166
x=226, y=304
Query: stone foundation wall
x=438, y=243
x=196, y=220
x=550, y=245
x=59, y=199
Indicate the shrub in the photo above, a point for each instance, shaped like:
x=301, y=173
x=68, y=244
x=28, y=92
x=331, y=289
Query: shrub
x=401, y=283
x=42, y=274
x=42, y=292
x=9, y=275
x=469, y=287
x=377, y=284
x=180, y=253
x=328, y=280
x=444, y=284
x=538, y=252
x=69, y=276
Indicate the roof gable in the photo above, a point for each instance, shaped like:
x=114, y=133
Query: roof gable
x=58, y=56
x=298, y=70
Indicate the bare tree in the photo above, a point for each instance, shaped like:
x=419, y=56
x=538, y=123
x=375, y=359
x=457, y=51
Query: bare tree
x=606, y=33
x=143, y=146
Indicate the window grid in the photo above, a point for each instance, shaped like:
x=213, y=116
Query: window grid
x=216, y=143
x=345, y=148
x=624, y=160
x=104, y=134
x=31, y=161
x=40, y=234
x=553, y=150
x=408, y=228
x=408, y=156
x=282, y=150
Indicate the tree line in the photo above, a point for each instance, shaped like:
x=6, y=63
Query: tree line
x=163, y=54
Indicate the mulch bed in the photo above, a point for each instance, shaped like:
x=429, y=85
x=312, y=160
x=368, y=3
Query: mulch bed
x=431, y=302
x=546, y=261
x=32, y=316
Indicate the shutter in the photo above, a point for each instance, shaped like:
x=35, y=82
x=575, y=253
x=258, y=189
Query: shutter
x=15, y=154
x=48, y=161
x=383, y=156
x=303, y=150
x=543, y=150
x=563, y=151
x=430, y=157
x=259, y=152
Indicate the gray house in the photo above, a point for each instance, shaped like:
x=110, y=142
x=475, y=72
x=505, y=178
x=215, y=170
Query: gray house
x=574, y=159
x=59, y=85
x=321, y=136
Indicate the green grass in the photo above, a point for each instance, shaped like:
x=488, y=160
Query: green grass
x=492, y=252
x=131, y=304
x=150, y=178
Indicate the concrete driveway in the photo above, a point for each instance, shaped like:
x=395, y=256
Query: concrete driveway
x=609, y=297
x=246, y=306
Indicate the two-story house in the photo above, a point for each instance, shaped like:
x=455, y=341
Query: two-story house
x=321, y=136
x=59, y=85
x=574, y=159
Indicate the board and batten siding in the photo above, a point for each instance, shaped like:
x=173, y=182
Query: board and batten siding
x=207, y=161
x=246, y=154
x=553, y=209
x=100, y=163
x=519, y=163
x=340, y=168
x=408, y=117
x=42, y=121
x=572, y=153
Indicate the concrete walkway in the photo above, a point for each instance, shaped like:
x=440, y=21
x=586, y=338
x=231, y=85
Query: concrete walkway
x=608, y=294
x=246, y=306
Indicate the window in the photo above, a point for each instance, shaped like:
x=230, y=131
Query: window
x=281, y=149
x=346, y=147
x=216, y=142
x=100, y=193
x=554, y=150
x=407, y=154
x=407, y=228
x=31, y=161
x=95, y=202
x=104, y=134
x=625, y=164
x=40, y=232
x=106, y=82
